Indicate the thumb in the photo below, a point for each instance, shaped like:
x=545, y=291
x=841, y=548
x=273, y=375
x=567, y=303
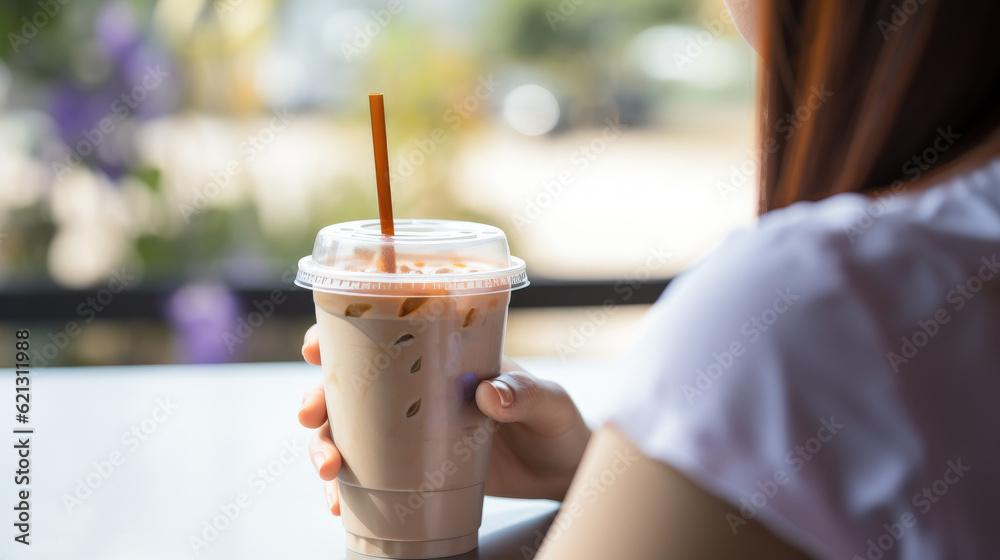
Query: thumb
x=310, y=347
x=517, y=396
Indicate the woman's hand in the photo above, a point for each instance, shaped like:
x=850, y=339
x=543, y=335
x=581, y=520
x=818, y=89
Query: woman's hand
x=536, y=451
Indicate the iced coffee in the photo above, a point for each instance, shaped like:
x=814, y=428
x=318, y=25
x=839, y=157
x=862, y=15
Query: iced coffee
x=403, y=352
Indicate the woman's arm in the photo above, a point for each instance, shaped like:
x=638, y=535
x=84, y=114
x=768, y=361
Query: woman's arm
x=625, y=505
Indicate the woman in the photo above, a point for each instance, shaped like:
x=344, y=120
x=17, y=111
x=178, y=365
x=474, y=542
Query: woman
x=821, y=386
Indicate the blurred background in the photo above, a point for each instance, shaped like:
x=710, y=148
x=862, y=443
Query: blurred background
x=163, y=165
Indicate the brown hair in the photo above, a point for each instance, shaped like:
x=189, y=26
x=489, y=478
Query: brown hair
x=862, y=95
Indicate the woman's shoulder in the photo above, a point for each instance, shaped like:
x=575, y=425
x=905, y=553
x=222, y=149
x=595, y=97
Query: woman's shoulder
x=823, y=288
x=829, y=318
x=902, y=249
x=806, y=255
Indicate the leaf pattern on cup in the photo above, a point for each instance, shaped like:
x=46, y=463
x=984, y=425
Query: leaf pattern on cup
x=356, y=309
x=410, y=305
x=469, y=318
x=416, y=365
x=403, y=339
x=414, y=409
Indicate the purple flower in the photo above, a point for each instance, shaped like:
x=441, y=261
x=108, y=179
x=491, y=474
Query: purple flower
x=202, y=314
x=115, y=29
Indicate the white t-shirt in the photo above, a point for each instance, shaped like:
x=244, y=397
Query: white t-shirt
x=834, y=373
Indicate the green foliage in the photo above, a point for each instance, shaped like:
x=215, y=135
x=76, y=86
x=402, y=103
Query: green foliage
x=426, y=72
x=155, y=251
x=548, y=30
x=149, y=176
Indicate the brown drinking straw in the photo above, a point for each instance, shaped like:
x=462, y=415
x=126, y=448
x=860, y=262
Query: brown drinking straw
x=387, y=260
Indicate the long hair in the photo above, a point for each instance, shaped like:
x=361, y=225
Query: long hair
x=874, y=95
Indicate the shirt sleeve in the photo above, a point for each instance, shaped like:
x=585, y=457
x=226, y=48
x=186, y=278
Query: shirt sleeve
x=759, y=376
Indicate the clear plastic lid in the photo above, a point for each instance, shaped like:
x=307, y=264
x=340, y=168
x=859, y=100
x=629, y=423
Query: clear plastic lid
x=431, y=257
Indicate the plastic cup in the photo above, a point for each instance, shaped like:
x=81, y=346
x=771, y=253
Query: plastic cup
x=403, y=352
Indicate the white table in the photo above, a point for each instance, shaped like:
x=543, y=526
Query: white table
x=204, y=436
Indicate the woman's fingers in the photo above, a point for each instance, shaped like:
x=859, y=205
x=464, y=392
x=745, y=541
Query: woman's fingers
x=323, y=454
x=310, y=347
x=332, y=496
x=507, y=397
x=517, y=396
x=312, y=414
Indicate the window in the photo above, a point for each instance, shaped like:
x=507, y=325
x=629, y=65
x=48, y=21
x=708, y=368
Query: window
x=188, y=152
